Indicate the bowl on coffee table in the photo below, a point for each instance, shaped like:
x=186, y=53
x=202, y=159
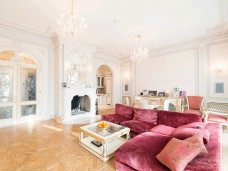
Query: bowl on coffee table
x=102, y=125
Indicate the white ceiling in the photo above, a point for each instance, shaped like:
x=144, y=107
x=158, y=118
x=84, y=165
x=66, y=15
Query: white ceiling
x=112, y=24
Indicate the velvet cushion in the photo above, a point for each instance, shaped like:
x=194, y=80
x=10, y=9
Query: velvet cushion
x=140, y=152
x=138, y=126
x=188, y=132
x=212, y=161
x=163, y=129
x=127, y=111
x=176, y=119
x=115, y=118
x=133, y=134
x=178, y=153
x=196, y=125
x=147, y=115
x=197, y=139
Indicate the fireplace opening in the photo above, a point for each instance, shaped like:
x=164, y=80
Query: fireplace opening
x=80, y=105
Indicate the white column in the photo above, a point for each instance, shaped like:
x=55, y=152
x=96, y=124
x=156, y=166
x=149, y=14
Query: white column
x=202, y=70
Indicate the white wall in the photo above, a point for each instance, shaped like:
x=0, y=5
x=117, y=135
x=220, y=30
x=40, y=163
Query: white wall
x=163, y=73
x=217, y=57
x=190, y=66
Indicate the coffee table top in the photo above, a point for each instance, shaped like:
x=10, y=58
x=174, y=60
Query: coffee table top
x=107, y=133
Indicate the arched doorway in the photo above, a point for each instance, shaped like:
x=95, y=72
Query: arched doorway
x=104, y=86
x=18, y=87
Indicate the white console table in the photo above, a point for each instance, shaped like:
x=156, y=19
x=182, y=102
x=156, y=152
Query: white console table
x=151, y=102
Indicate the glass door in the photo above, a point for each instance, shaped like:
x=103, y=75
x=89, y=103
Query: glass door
x=18, y=87
x=27, y=91
x=7, y=94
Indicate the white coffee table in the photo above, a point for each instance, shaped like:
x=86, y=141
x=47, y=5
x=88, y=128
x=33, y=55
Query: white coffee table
x=111, y=138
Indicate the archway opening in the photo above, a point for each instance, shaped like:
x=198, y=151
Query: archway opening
x=104, y=87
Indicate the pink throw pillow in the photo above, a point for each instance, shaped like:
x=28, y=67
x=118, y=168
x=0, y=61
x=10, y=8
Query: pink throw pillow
x=197, y=139
x=178, y=153
x=163, y=129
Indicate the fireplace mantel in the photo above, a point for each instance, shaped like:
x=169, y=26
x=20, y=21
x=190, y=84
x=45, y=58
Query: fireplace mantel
x=69, y=93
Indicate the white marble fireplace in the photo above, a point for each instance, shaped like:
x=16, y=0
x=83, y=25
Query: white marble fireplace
x=70, y=93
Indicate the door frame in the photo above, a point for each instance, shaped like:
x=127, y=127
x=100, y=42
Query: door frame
x=16, y=99
x=20, y=103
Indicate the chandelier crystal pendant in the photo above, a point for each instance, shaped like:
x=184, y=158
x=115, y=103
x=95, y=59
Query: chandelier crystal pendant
x=139, y=53
x=69, y=28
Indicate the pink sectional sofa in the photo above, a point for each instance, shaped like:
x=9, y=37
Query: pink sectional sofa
x=140, y=152
x=142, y=120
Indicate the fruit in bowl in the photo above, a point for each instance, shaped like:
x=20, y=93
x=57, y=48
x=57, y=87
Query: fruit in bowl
x=103, y=125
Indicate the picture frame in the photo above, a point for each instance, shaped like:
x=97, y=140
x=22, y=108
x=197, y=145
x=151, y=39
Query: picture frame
x=152, y=93
x=182, y=93
x=126, y=88
x=219, y=87
x=161, y=94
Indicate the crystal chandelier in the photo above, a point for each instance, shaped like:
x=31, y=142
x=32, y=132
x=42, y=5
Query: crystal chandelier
x=69, y=28
x=139, y=53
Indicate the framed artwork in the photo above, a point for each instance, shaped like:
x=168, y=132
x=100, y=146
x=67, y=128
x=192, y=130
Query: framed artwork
x=219, y=87
x=182, y=93
x=152, y=93
x=126, y=88
x=161, y=94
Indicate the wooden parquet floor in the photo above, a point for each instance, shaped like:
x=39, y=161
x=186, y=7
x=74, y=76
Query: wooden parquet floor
x=106, y=109
x=46, y=146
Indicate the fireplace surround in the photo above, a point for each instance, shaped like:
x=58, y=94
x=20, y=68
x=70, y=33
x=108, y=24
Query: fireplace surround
x=79, y=103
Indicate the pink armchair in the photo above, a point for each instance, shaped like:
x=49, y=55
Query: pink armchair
x=194, y=105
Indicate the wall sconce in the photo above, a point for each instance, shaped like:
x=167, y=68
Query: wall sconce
x=218, y=69
x=126, y=76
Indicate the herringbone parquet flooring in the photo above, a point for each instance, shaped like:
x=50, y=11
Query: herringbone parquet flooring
x=50, y=146
x=46, y=146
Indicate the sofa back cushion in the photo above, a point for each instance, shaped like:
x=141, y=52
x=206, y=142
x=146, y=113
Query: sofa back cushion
x=147, y=115
x=126, y=111
x=176, y=119
x=163, y=129
x=188, y=132
x=195, y=125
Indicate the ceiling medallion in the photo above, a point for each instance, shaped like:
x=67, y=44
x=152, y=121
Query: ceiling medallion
x=69, y=28
x=139, y=53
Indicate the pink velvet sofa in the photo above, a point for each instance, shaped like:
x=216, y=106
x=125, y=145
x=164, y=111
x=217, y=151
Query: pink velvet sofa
x=142, y=120
x=140, y=152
